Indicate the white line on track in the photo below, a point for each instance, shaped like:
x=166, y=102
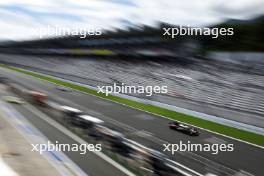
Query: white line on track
x=129, y=128
x=100, y=154
x=233, y=138
x=37, y=112
x=65, y=165
x=188, y=169
x=142, y=111
x=75, y=137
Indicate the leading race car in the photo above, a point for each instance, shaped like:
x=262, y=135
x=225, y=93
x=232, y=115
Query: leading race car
x=184, y=128
x=63, y=88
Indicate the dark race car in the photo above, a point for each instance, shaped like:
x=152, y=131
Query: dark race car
x=184, y=128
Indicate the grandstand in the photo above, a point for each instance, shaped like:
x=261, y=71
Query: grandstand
x=142, y=56
x=204, y=85
x=138, y=42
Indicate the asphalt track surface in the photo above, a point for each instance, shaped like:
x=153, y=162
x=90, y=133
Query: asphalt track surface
x=153, y=131
x=90, y=163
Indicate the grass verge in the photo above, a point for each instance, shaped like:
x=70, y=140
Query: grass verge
x=212, y=126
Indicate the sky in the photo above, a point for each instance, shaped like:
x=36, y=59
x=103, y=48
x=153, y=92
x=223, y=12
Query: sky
x=24, y=19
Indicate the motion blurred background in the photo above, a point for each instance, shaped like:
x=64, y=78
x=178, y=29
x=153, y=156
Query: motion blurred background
x=221, y=76
x=200, y=71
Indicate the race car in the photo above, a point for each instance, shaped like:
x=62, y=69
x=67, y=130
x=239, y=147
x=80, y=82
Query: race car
x=38, y=97
x=70, y=111
x=14, y=100
x=86, y=121
x=184, y=128
x=63, y=89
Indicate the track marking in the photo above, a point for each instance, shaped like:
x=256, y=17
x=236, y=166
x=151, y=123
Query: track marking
x=233, y=138
x=100, y=154
x=50, y=83
x=76, y=138
x=32, y=135
x=214, y=140
x=152, y=138
x=178, y=164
